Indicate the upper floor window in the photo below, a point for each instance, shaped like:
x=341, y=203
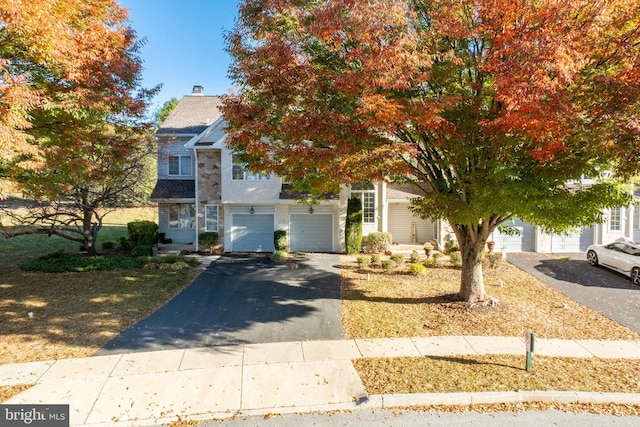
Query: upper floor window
x=239, y=172
x=615, y=223
x=180, y=165
x=366, y=193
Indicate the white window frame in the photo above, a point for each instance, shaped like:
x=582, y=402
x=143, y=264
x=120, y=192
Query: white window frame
x=182, y=162
x=239, y=172
x=615, y=219
x=183, y=216
x=207, y=218
x=368, y=212
x=636, y=217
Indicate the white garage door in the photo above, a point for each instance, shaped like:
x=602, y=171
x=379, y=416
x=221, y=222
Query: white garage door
x=311, y=233
x=523, y=242
x=575, y=242
x=402, y=225
x=252, y=233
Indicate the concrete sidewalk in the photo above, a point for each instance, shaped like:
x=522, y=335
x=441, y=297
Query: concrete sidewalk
x=218, y=382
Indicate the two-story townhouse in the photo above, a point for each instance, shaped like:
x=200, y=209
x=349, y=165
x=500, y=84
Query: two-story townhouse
x=202, y=187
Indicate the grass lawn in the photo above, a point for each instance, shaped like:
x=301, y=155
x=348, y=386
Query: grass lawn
x=74, y=314
x=378, y=304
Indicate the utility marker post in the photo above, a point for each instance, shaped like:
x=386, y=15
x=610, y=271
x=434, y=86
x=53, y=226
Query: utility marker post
x=529, y=339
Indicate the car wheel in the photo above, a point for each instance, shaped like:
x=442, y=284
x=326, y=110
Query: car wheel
x=635, y=276
x=592, y=257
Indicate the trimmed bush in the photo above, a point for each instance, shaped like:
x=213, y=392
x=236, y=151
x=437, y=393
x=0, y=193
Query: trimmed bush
x=375, y=259
x=456, y=259
x=108, y=245
x=378, y=242
x=279, y=256
x=415, y=258
x=363, y=261
x=417, y=269
x=353, y=226
x=398, y=259
x=208, y=240
x=280, y=240
x=431, y=262
x=142, y=250
x=59, y=262
x=388, y=265
x=143, y=233
x=492, y=260
x=170, y=259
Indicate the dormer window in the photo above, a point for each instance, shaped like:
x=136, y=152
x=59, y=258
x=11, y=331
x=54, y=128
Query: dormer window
x=239, y=172
x=180, y=165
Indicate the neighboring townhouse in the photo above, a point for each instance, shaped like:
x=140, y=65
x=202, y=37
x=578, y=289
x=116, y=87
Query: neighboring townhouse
x=202, y=187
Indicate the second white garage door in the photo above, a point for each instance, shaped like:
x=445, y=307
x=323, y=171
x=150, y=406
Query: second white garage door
x=311, y=233
x=252, y=233
x=576, y=242
x=402, y=225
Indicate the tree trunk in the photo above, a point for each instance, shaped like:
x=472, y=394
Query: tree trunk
x=89, y=232
x=472, y=248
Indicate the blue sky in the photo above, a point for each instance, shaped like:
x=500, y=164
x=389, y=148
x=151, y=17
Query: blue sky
x=184, y=44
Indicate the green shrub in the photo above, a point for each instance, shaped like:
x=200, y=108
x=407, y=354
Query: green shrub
x=208, y=240
x=431, y=262
x=363, y=261
x=415, y=258
x=169, y=259
x=492, y=260
x=108, y=245
x=456, y=259
x=398, y=259
x=353, y=226
x=142, y=250
x=375, y=259
x=280, y=240
x=59, y=262
x=279, y=256
x=389, y=265
x=378, y=242
x=143, y=233
x=125, y=244
x=417, y=269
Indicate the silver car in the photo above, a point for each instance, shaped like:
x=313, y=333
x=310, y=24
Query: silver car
x=622, y=256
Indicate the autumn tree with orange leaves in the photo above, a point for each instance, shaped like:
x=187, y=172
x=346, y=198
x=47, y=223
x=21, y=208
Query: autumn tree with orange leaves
x=492, y=108
x=73, y=133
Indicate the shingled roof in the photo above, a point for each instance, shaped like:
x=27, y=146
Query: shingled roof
x=403, y=191
x=192, y=115
x=174, y=189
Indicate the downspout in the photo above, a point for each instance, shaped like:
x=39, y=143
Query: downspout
x=195, y=155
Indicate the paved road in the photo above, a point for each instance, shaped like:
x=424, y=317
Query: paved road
x=407, y=418
x=245, y=298
x=603, y=290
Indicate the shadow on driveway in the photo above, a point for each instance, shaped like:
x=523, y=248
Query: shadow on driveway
x=605, y=291
x=245, y=298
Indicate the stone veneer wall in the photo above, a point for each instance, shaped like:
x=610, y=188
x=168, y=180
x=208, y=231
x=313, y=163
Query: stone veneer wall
x=209, y=188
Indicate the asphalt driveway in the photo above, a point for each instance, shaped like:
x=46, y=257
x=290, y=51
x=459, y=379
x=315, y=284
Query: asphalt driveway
x=603, y=290
x=245, y=298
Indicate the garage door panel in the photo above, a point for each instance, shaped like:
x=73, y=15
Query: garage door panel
x=252, y=233
x=522, y=242
x=311, y=233
x=401, y=222
x=575, y=242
